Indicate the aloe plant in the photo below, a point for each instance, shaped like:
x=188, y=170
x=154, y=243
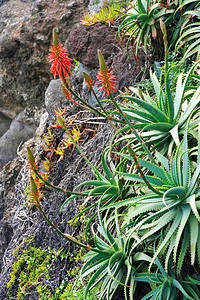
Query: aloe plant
x=169, y=205
x=109, y=188
x=168, y=287
x=111, y=263
x=162, y=118
x=140, y=22
x=190, y=39
x=178, y=14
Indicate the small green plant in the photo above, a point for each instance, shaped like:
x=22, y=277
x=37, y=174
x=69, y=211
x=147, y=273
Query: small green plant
x=161, y=118
x=30, y=269
x=106, y=15
x=76, y=291
x=33, y=267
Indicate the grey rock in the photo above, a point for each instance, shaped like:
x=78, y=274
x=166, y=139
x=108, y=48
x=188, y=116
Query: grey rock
x=4, y=123
x=21, y=129
x=25, y=38
x=54, y=97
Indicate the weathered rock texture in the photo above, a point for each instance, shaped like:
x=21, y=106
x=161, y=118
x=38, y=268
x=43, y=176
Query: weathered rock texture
x=25, y=37
x=84, y=42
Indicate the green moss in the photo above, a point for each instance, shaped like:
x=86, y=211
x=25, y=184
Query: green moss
x=32, y=269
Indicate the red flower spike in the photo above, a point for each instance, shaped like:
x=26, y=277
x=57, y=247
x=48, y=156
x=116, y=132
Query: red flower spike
x=106, y=78
x=66, y=92
x=88, y=80
x=31, y=159
x=58, y=58
x=35, y=193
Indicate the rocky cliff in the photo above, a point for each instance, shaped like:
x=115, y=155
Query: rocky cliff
x=28, y=99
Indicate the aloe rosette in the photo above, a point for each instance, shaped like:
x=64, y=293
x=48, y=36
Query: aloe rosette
x=167, y=286
x=140, y=22
x=161, y=119
x=169, y=205
x=105, y=189
x=110, y=264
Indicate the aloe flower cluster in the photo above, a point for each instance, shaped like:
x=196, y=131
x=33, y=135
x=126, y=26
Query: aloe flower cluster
x=61, y=63
x=59, y=58
x=106, y=78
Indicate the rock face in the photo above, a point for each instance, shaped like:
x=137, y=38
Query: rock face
x=84, y=42
x=26, y=102
x=25, y=37
x=21, y=129
x=54, y=98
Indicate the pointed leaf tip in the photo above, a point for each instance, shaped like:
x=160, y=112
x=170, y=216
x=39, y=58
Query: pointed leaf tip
x=102, y=62
x=55, y=38
x=34, y=189
x=31, y=158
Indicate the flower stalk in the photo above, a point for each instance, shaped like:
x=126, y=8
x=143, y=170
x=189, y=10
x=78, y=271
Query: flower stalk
x=164, y=31
x=106, y=78
x=47, y=183
x=63, y=125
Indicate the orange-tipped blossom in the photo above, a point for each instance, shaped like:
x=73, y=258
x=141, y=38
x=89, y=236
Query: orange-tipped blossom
x=106, y=78
x=66, y=92
x=58, y=58
x=88, y=80
x=31, y=159
x=36, y=195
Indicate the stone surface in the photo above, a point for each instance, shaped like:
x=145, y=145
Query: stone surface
x=84, y=42
x=21, y=129
x=128, y=69
x=54, y=97
x=4, y=123
x=25, y=38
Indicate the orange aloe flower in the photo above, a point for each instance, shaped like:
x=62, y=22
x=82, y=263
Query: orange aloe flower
x=35, y=194
x=88, y=80
x=106, y=78
x=58, y=58
x=31, y=159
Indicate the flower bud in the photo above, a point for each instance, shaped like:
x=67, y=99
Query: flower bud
x=102, y=63
x=88, y=79
x=34, y=189
x=61, y=121
x=55, y=38
x=162, y=26
x=31, y=159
